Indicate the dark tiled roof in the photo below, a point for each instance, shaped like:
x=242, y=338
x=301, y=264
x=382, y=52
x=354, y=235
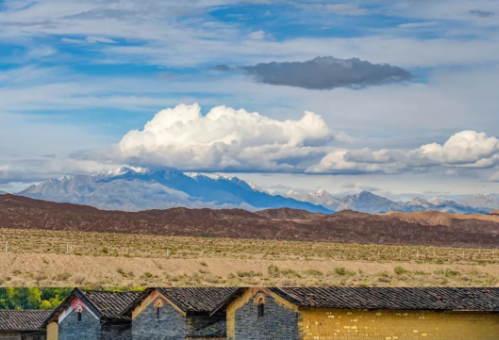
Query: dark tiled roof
x=22, y=320
x=475, y=299
x=202, y=299
x=110, y=304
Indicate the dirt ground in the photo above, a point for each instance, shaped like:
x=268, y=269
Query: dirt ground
x=51, y=270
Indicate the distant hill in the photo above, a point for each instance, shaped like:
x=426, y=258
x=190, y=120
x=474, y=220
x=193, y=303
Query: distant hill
x=368, y=202
x=136, y=189
x=428, y=229
x=482, y=201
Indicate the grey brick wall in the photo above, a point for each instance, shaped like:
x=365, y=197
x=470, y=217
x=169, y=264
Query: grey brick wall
x=278, y=323
x=86, y=329
x=23, y=335
x=10, y=335
x=170, y=326
x=116, y=332
x=205, y=326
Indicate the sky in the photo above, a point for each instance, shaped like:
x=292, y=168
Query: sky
x=396, y=97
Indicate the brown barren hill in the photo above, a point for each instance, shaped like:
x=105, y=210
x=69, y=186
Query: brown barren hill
x=281, y=224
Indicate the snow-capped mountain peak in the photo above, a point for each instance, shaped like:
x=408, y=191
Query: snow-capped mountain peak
x=140, y=189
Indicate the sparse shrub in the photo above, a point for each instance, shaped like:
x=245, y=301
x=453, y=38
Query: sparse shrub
x=313, y=272
x=399, y=270
x=451, y=273
x=249, y=274
x=63, y=276
x=290, y=273
x=148, y=275
x=274, y=271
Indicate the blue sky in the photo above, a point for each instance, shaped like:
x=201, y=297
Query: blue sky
x=77, y=76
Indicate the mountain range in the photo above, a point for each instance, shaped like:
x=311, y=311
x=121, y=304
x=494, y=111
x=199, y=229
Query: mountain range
x=136, y=189
x=368, y=202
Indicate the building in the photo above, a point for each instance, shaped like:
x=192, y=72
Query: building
x=361, y=313
x=91, y=315
x=178, y=314
x=22, y=324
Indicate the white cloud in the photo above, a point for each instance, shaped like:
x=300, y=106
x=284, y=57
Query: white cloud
x=465, y=149
x=226, y=139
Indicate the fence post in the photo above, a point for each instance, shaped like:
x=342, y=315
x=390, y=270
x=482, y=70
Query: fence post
x=7, y=246
x=67, y=247
x=167, y=252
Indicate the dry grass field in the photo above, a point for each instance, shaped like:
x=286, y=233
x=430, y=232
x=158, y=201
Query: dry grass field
x=59, y=258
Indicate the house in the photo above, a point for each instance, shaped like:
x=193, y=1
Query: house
x=178, y=313
x=361, y=313
x=91, y=315
x=22, y=324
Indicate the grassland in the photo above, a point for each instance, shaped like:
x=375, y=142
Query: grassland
x=57, y=258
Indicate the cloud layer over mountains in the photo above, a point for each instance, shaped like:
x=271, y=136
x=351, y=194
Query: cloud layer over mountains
x=226, y=140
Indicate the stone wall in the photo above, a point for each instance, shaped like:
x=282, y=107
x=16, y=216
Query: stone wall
x=205, y=326
x=277, y=322
x=86, y=329
x=330, y=324
x=170, y=325
x=10, y=335
x=116, y=332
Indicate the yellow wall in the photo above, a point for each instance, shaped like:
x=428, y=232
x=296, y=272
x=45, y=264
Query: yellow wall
x=388, y=325
x=53, y=331
x=243, y=300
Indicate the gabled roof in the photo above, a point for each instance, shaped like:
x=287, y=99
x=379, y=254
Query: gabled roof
x=22, y=320
x=457, y=299
x=108, y=305
x=188, y=299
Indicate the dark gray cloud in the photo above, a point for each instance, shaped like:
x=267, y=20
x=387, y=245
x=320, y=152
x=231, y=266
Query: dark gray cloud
x=481, y=14
x=222, y=68
x=325, y=73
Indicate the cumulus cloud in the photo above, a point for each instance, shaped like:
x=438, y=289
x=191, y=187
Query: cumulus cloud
x=326, y=73
x=229, y=140
x=226, y=140
x=465, y=149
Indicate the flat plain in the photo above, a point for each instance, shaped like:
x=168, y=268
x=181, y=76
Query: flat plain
x=69, y=258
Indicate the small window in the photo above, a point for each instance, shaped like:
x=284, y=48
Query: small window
x=158, y=313
x=79, y=317
x=261, y=310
